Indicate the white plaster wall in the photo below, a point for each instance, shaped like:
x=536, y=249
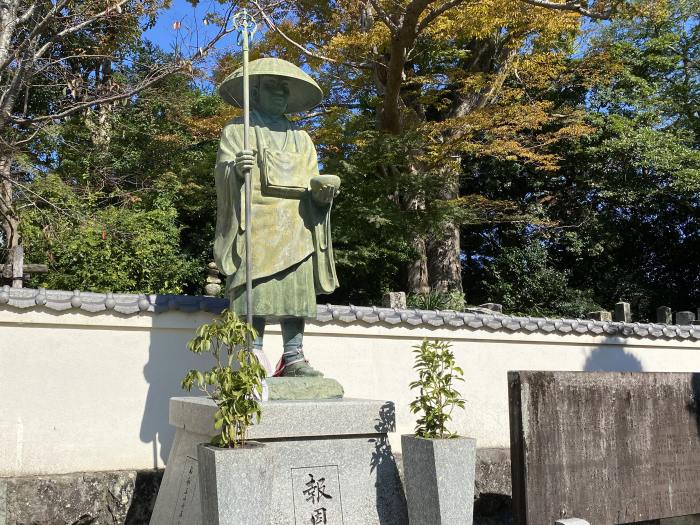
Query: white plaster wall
x=85, y=392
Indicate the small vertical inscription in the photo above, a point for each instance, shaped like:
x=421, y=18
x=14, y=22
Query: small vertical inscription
x=186, y=492
x=317, y=499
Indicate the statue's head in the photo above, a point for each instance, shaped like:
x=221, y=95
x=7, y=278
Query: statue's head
x=269, y=94
x=276, y=87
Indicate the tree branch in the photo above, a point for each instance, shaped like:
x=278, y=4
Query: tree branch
x=274, y=27
x=36, y=30
x=384, y=16
x=399, y=46
x=434, y=13
x=573, y=6
x=105, y=100
x=25, y=140
x=27, y=14
x=77, y=27
x=48, y=63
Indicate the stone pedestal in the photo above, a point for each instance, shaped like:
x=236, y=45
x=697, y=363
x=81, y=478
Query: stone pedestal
x=622, y=312
x=600, y=315
x=685, y=317
x=664, y=315
x=329, y=457
x=439, y=480
x=394, y=300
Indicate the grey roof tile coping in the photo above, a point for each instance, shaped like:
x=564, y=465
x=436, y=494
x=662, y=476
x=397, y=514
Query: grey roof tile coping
x=472, y=319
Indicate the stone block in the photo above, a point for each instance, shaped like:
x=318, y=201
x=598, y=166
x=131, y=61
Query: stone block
x=291, y=419
x=494, y=307
x=212, y=289
x=664, y=315
x=290, y=388
x=21, y=496
x=685, y=317
x=235, y=484
x=394, y=300
x=439, y=480
x=125, y=496
x=562, y=442
x=343, y=441
x=622, y=312
x=601, y=315
x=493, y=471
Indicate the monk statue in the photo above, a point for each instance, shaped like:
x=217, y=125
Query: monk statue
x=292, y=253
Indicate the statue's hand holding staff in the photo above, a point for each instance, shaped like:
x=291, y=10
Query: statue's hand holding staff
x=245, y=160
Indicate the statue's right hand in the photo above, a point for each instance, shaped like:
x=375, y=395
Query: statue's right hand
x=245, y=160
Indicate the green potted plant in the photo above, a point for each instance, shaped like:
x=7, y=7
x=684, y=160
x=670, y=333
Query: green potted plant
x=234, y=472
x=438, y=464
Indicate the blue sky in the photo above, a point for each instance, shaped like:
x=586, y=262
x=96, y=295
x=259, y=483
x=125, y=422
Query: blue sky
x=193, y=31
x=163, y=33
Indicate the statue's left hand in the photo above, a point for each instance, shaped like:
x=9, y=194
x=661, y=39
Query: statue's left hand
x=324, y=188
x=324, y=194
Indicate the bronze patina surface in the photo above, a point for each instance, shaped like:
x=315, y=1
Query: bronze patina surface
x=292, y=249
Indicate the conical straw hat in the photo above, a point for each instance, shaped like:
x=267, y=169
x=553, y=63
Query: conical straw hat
x=304, y=93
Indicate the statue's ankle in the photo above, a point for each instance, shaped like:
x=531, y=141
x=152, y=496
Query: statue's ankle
x=294, y=364
x=291, y=355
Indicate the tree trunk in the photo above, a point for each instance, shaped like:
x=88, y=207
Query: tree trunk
x=444, y=265
x=16, y=259
x=8, y=21
x=418, y=269
x=443, y=248
x=9, y=221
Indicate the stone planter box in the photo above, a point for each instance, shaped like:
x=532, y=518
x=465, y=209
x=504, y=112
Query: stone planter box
x=439, y=480
x=235, y=484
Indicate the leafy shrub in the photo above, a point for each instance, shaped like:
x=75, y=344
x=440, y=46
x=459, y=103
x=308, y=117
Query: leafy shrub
x=453, y=300
x=525, y=282
x=437, y=397
x=96, y=247
x=235, y=392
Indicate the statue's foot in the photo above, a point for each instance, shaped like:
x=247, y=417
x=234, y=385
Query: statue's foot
x=300, y=369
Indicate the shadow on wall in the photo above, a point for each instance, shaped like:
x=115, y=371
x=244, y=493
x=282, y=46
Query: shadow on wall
x=612, y=360
x=168, y=362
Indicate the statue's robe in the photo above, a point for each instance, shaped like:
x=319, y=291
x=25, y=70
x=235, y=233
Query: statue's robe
x=291, y=243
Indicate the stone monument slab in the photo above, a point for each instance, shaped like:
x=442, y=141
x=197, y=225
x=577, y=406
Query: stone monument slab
x=608, y=447
x=341, y=444
x=279, y=388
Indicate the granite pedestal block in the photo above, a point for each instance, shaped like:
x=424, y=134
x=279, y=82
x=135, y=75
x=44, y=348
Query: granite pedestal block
x=298, y=388
x=330, y=459
x=439, y=476
x=235, y=484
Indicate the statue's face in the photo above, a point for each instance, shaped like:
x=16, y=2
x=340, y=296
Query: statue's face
x=271, y=95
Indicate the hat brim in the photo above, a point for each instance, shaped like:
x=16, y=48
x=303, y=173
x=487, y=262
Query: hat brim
x=304, y=93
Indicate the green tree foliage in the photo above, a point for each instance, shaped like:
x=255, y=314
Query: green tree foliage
x=572, y=173
x=129, y=204
x=619, y=217
x=89, y=245
x=524, y=282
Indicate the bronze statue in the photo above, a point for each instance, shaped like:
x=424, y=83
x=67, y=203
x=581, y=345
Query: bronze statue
x=292, y=254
